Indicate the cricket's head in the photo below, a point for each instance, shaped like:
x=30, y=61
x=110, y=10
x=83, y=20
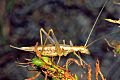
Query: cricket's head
x=84, y=50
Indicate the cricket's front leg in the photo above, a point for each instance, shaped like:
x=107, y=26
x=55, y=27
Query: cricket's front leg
x=81, y=60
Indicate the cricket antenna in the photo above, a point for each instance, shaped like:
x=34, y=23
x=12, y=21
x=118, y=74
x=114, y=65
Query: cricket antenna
x=95, y=22
x=102, y=37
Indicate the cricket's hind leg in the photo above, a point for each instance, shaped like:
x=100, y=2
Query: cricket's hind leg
x=46, y=34
x=52, y=41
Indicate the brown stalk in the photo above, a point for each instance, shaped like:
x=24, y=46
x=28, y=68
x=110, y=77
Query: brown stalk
x=89, y=72
x=97, y=70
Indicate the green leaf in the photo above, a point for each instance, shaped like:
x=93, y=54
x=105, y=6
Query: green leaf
x=37, y=61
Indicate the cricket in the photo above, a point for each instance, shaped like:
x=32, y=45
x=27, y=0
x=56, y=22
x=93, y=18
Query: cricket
x=55, y=49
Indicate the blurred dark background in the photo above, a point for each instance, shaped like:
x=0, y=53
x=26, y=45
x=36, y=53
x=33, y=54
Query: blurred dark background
x=20, y=21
